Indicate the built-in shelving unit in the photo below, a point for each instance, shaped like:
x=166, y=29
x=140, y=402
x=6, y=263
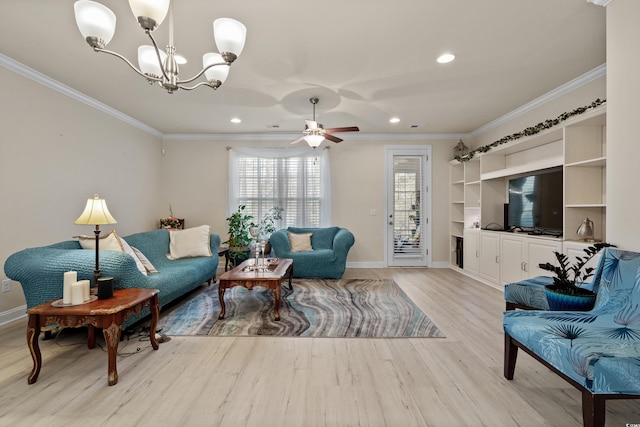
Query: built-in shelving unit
x=479, y=190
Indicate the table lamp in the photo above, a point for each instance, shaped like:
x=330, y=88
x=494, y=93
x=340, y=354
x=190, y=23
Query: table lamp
x=96, y=213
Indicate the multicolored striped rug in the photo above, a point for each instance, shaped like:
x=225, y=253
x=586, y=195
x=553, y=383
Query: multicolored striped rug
x=366, y=308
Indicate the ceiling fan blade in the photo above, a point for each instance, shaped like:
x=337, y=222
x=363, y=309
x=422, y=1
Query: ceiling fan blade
x=312, y=124
x=332, y=138
x=298, y=140
x=345, y=129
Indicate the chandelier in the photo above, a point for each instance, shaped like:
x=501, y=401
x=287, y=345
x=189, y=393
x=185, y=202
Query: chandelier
x=97, y=23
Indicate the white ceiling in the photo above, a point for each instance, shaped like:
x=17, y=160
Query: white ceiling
x=367, y=60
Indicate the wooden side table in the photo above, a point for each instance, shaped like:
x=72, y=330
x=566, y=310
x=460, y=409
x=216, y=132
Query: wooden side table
x=107, y=314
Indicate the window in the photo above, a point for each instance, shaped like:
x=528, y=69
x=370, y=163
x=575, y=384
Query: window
x=296, y=180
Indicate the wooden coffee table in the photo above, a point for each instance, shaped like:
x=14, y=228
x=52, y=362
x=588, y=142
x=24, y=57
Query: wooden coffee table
x=107, y=314
x=270, y=278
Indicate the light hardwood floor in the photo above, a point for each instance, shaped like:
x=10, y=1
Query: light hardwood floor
x=262, y=381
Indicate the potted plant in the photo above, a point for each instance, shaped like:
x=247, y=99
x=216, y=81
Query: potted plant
x=268, y=225
x=565, y=293
x=239, y=238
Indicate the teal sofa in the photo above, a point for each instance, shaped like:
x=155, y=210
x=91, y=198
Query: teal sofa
x=40, y=270
x=596, y=351
x=328, y=259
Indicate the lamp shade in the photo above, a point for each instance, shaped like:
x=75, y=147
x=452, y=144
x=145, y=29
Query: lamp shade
x=95, y=213
x=148, y=60
x=314, y=140
x=154, y=9
x=95, y=20
x=219, y=72
x=230, y=35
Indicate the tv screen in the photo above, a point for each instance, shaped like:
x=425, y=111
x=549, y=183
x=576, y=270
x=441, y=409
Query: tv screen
x=535, y=202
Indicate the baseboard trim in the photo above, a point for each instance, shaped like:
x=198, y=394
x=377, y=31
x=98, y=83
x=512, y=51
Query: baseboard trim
x=13, y=314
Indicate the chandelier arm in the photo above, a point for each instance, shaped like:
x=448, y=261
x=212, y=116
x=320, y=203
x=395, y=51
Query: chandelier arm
x=202, y=72
x=133, y=67
x=155, y=46
x=198, y=85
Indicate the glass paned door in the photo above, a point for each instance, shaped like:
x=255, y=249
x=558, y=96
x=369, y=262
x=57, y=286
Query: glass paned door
x=407, y=221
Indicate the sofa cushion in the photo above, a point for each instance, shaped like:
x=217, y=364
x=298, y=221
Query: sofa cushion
x=108, y=242
x=300, y=242
x=129, y=250
x=321, y=238
x=189, y=243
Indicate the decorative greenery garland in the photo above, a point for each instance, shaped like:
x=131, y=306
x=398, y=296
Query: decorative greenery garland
x=531, y=130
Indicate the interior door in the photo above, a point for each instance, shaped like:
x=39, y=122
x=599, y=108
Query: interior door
x=408, y=206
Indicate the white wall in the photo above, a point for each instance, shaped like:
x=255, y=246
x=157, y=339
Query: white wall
x=195, y=176
x=623, y=111
x=55, y=153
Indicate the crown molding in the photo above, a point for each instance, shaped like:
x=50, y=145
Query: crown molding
x=280, y=136
x=568, y=87
x=19, y=68
x=603, y=3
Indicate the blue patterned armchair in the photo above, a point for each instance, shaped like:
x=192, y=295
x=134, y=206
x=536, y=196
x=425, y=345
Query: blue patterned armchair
x=328, y=257
x=596, y=351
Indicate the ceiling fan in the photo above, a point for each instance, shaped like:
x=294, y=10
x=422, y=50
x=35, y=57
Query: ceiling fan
x=315, y=133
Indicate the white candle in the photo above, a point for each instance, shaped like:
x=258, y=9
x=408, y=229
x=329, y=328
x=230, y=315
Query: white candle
x=85, y=289
x=77, y=294
x=70, y=277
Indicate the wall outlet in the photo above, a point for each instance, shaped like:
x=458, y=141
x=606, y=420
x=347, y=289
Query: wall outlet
x=6, y=285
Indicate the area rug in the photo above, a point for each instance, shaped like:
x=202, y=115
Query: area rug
x=367, y=308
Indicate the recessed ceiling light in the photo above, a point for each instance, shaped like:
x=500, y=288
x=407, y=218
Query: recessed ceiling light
x=394, y=120
x=180, y=59
x=236, y=120
x=447, y=57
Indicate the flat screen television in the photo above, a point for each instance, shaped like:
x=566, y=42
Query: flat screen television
x=535, y=202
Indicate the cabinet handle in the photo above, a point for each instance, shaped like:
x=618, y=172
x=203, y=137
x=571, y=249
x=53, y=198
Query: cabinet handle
x=497, y=259
x=477, y=254
x=526, y=266
x=522, y=266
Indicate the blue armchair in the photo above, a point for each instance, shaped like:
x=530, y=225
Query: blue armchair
x=328, y=257
x=597, y=351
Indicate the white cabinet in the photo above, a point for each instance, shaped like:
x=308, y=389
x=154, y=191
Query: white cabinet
x=521, y=255
x=490, y=256
x=471, y=251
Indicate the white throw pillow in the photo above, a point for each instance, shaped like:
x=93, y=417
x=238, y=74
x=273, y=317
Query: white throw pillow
x=144, y=260
x=300, y=242
x=108, y=242
x=189, y=243
x=129, y=250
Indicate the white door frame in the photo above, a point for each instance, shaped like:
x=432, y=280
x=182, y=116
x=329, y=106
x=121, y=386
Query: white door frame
x=408, y=150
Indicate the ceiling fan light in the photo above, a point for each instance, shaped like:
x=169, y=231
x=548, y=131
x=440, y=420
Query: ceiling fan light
x=229, y=35
x=314, y=140
x=148, y=60
x=95, y=20
x=154, y=9
x=218, y=72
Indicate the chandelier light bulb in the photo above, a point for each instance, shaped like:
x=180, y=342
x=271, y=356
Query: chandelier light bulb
x=97, y=23
x=229, y=35
x=217, y=73
x=154, y=9
x=148, y=60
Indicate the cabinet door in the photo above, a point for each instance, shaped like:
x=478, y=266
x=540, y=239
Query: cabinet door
x=512, y=261
x=539, y=252
x=470, y=249
x=490, y=257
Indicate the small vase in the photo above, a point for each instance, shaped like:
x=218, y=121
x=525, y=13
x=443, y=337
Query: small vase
x=565, y=302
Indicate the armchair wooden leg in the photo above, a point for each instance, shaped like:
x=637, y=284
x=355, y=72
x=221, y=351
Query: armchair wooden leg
x=510, y=355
